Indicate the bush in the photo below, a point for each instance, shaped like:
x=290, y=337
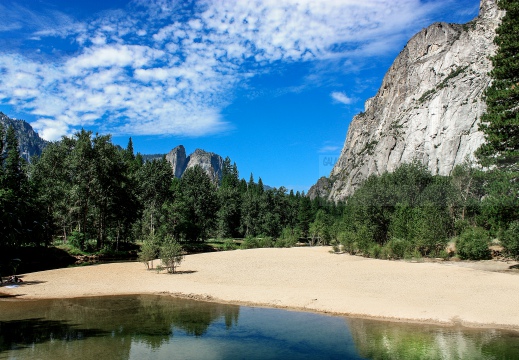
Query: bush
x=510, y=239
x=265, y=242
x=364, y=239
x=288, y=238
x=149, y=251
x=229, y=244
x=250, y=243
x=473, y=244
x=397, y=248
x=348, y=241
x=375, y=251
x=171, y=254
x=77, y=240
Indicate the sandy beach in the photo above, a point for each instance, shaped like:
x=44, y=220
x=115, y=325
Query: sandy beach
x=310, y=279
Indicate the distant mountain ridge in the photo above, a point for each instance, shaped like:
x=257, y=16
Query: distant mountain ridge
x=30, y=143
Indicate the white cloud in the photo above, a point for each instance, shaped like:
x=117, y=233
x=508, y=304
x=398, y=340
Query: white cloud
x=148, y=70
x=341, y=97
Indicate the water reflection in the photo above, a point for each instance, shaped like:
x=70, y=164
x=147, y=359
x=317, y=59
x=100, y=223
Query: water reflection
x=161, y=327
x=17, y=334
x=118, y=321
x=382, y=340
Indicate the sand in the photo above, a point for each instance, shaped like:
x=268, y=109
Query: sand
x=308, y=278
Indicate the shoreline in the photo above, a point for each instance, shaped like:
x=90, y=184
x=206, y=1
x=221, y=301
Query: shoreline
x=303, y=279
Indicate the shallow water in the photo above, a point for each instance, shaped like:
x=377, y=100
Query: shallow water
x=161, y=327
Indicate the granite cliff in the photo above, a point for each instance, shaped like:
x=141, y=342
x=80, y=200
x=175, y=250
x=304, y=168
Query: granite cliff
x=210, y=162
x=30, y=143
x=427, y=108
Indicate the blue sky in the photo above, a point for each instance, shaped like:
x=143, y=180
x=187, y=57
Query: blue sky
x=273, y=84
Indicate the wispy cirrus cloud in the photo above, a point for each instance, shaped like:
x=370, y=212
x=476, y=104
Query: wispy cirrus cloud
x=165, y=67
x=341, y=98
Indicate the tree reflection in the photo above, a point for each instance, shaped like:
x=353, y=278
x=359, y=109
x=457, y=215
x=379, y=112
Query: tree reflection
x=384, y=340
x=152, y=320
x=16, y=334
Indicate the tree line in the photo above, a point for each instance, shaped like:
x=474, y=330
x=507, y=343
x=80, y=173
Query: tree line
x=93, y=195
x=90, y=193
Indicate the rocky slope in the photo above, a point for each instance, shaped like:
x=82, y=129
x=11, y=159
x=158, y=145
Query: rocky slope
x=30, y=143
x=211, y=163
x=427, y=108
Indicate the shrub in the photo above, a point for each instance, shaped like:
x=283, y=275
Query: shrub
x=432, y=229
x=374, y=251
x=288, y=238
x=171, y=254
x=510, y=239
x=348, y=241
x=149, y=251
x=77, y=240
x=397, y=248
x=364, y=239
x=229, y=244
x=265, y=242
x=473, y=244
x=250, y=243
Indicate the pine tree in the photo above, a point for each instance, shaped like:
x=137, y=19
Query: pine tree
x=500, y=123
x=14, y=176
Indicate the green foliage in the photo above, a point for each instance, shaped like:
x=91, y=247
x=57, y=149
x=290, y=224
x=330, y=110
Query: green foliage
x=84, y=186
x=250, y=243
x=320, y=228
x=500, y=206
x=348, y=240
x=149, y=251
x=288, y=238
x=397, y=248
x=229, y=244
x=200, y=202
x=432, y=230
x=374, y=251
x=454, y=73
x=257, y=242
x=500, y=123
x=473, y=244
x=426, y=95
x=171, y=254
x=77, y=240
x=510, y=239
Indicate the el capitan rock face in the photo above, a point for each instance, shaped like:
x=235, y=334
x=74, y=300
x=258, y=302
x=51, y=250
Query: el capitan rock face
x=428, y=106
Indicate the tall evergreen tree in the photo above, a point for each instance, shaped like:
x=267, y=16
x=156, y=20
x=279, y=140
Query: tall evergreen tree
x=14, y=176
x=229, y=202
x=154, y=182
x=500, y=123
x=201, y=203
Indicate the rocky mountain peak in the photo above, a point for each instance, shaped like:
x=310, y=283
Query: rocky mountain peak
x=178, y=160
x=427, y=108
x=210, y=162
